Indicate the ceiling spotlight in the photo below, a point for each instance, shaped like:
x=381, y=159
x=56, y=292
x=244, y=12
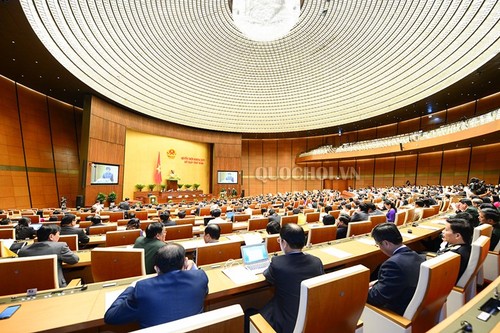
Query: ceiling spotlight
x=324, y=11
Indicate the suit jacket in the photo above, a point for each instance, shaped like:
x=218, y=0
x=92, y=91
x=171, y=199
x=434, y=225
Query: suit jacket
x=397, y=281
x=82, y=237
x=150, y=246
x=286, y=272
x=341, y=232
x=359, y=216
x=274, y=217
x=464, y=251
x=160, y=299
x=62, y=250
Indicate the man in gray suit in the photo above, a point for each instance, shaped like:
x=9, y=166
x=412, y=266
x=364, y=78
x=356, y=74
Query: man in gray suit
x=48, y=237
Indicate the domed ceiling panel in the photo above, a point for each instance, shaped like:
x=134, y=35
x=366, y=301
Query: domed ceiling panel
x=186, y=62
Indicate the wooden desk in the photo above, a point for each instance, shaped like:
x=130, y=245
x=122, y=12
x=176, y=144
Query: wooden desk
x=84, y=310
x=469, y=312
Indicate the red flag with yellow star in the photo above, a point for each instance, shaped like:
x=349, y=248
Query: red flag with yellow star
x=158, y=171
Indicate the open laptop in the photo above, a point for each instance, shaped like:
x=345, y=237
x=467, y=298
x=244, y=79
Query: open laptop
x=255, y=257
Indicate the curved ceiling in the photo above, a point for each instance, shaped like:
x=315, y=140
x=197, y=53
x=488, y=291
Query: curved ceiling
x=184, y=61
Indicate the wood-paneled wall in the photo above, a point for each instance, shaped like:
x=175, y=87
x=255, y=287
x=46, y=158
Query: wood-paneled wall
x=46, y=147
x=265, y=173
x=106, y=126
x=38, y=148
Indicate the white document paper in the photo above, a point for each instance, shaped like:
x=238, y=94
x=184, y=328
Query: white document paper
x=239, y=274
x=337, y=253
x=428, y=227
x=193, y=244
x=252, y=238
x=368, y=241
x=110, y=297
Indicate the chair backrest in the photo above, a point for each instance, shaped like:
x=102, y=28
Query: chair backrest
x=312, y=217
x=321, y=234
x=257, y=224
x=115, y=216
x=400, y=217
x=229, y=319
x=445, y=206
x=428, y=212
x=101, y=229
x=410, y=215
x=478, y=253
x=33, y=218
x=179, y=232
x=225, y=227
x=144, y=224
x=272, y=243
x=377, y=219
x=83, y=216
x=7, y=233
x=217, y=252
x=205, y=211
x=122, y=222
x=20, y=274
x=289, y=219
x=71, y=240
x=256, y=211
x=84, y=224
x=482, y=230
x=335, y=213
x=111, y=263
x=330, y=293
x=141, y=215
x=436, y=208
x=185, y=221
x=359, y=228
x=122, y=237
x=436, y=279
x=241, y=217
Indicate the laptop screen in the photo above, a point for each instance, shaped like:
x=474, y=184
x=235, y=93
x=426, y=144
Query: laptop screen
x=254, y=253
x=207, y=219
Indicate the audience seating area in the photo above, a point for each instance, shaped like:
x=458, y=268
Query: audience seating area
x=406, y=138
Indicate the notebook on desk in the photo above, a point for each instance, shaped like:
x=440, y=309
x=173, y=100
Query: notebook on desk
x=255, y=257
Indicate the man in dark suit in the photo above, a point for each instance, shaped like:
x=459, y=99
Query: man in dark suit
x=398, y=275
x=286, y=272
x=273, y=216
x=457, y=234
x=124, y=205
x=177, y=291
x=68, y=223
x=48, y=237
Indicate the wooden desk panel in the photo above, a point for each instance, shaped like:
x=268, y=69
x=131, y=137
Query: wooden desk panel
x=469, y=312
x=87, y=307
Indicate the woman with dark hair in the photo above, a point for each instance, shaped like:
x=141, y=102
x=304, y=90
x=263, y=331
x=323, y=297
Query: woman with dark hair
x=23, y=229
x=391, y=211
x=133, y=224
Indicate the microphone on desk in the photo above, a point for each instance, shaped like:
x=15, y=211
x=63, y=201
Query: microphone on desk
x=466, y=326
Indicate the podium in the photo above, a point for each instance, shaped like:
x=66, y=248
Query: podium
x=172, y=184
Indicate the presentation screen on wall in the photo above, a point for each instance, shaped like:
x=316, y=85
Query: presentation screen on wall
x=103, y=174
x=227, y=177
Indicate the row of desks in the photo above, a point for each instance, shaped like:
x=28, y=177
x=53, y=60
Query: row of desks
x=84, y=309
